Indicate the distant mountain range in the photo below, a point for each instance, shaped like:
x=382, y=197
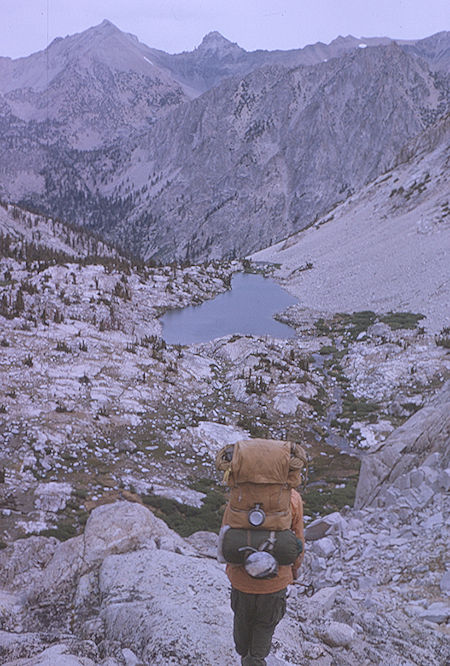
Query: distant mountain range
x=210, y=153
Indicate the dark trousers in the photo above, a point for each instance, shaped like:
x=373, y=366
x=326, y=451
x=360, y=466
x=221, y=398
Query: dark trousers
x=255, y=619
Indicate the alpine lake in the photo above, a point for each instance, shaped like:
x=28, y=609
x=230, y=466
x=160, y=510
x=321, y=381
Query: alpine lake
x=248, y=308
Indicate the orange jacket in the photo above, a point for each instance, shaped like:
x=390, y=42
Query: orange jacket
x=240, y=579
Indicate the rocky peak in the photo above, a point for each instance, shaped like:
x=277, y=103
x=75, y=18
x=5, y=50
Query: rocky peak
x=340, y=39
x=216, y=43
x=101, y=42
x=91, y=39
x=106, y=24
x=105, y=27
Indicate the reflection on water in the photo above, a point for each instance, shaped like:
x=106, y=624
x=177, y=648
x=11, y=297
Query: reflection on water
x=248, y=309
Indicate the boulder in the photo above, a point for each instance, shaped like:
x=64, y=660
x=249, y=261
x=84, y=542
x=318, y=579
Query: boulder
x=126, y=445
x=130, y=658
x=324, y=547
x=166, y=607
x=438, y=612
x=52, y=497
x=111, y=528
x=209, y=437
x=337, y=634
x=322, y=601
x=379, y=330
x=196, y=366
x=444, y=480
x=288, y=397
x=205, y=543
x=418, y=498
x=333, y=523
x=238, y=388
x=285, y=402
x=239, y=349
x=60, y=574
x=119, y=528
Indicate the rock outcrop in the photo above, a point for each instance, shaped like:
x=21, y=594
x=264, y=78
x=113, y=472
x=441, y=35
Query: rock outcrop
x=413, y=463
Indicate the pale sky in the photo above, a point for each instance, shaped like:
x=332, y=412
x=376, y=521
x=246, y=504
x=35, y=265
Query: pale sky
x=27, y=26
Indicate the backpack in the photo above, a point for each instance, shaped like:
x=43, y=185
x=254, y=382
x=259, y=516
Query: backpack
x=261, y=473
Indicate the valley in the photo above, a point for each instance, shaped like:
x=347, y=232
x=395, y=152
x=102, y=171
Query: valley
x=135, y=183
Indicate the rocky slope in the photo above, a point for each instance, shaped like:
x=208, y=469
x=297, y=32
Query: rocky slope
x=104, y=131
x=265, y=155
x=131, y=591
x=433, y=49
x=388, y=243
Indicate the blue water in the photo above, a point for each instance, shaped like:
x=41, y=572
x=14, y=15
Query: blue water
x=246, y=309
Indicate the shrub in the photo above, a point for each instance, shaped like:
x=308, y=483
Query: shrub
x=327, y=349
x=358, y=408
x=360, y=321
x=443, y=338
x=398, y=320
x=186, y=519
x=61, y=345
x=328, y=499
x=322, y=327
x=65, y=530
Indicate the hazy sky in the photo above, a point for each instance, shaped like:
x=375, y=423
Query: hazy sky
x=27, y=26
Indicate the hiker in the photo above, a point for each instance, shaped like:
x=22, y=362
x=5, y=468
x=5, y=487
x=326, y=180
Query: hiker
x=259, y=582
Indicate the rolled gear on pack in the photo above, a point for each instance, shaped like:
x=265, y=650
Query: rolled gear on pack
x=237, y=544
x=261, y=473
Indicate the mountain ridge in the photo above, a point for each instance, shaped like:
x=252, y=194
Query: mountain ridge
x=124, y=151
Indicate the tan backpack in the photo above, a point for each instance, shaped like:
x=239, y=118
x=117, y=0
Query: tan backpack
x=261, y=473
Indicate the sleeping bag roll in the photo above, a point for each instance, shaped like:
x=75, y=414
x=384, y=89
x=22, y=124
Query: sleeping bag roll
x=239, y=543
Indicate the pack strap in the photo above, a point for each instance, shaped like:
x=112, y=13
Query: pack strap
x=267, y=545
